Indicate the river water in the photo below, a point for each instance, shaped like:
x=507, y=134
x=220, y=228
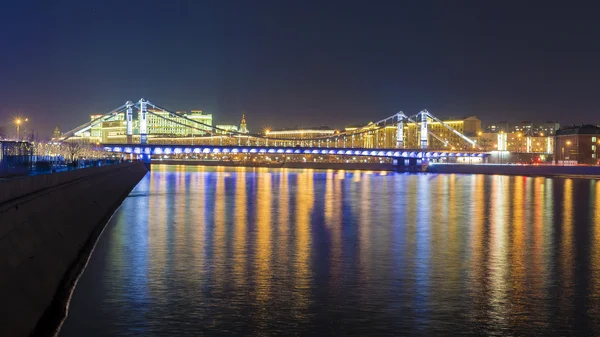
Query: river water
x=241, y=251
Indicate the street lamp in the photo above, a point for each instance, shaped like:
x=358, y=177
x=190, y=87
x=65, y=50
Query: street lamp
x=18, y=123
x=568, y=150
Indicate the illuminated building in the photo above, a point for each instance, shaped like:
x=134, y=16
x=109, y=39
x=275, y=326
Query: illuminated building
x=577, y=145
x=367, y=136
x=515, y=142
x=228, y=127
x=96, y=129
x=308, y=133
x=469, y=127
x=385, y=137
x=526, y=128
x=56, y=134
x=163, y=123
x=243, y=127
x=160, y=124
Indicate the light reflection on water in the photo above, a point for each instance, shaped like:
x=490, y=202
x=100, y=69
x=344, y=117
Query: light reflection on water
x=243, y=251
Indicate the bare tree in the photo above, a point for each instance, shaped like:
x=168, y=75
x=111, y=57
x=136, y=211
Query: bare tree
x=72, y=150
x=3, y=133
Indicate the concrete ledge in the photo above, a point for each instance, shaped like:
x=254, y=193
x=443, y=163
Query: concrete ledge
x=21, y=186
x=46, y=222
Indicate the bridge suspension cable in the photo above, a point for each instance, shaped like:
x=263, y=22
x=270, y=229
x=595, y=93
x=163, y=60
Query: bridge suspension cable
x=90, y=124
x=347, y=136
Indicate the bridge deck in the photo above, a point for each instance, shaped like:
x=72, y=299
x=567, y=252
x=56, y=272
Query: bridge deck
x=158, y=149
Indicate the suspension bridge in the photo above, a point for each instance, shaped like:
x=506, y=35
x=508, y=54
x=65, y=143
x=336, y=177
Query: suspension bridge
x=386, y=138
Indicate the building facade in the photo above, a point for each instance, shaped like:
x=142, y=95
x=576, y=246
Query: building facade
x=526, y=128
x=372, y=136
x=515, y=142
x=160, y=124
x=577, y=145
x=307, y=133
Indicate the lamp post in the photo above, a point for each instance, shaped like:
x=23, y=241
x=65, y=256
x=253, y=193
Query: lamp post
x=18, y=123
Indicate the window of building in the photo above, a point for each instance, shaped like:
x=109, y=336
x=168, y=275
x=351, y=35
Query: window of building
x=594, y=139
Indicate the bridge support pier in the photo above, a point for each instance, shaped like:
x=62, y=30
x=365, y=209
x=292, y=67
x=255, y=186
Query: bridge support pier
x=146, y=159
x=409, y=164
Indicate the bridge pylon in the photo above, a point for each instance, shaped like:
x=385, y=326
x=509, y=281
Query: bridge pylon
x=143, y=121
x=129, y=121
x=424, y=138
x=400, y=130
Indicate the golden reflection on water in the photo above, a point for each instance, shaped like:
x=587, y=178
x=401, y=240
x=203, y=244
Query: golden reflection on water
x=219, y=235
x=595, y=251
x=263, y=237
x=364, y=226
x=304, y=206
x=498, y=251
x=567, y=251
x=454, y=233
x=333, y=221
x=241, y=224
x=283, y=225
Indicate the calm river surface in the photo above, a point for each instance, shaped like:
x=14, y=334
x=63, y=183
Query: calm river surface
x=242, y=251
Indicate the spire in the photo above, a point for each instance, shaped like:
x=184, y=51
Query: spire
x=56, y=133
x=243, y=127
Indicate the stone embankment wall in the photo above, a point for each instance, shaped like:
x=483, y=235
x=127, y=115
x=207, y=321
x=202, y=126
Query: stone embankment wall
x=525, y=170
x=48, y=224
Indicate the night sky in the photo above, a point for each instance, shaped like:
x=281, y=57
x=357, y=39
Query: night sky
x=305, y=63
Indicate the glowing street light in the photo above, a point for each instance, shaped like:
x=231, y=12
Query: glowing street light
x=18, y=122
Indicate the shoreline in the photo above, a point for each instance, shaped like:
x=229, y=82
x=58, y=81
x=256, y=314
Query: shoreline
x=581, y=172
x=294, y=165
x=552, y=171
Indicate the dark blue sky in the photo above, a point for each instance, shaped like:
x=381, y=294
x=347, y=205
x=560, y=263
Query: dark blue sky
x=287, y=63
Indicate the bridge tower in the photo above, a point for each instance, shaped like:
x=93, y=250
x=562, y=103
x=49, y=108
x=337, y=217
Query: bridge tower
x=400, y=132
x=143, y=121
x=129, y=119
x=424, y=129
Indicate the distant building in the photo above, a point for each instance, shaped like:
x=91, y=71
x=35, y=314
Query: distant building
x=159, y=124
x=227, y=127
x=243, y=128
x=304, y=133
x=56, y=134
x=526, y=128
x=515, y=142
x=163, y=123
x=577, y=145
x=373, y=136
x=468, y=126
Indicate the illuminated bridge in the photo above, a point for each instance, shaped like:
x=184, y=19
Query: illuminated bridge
x=384, y=139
